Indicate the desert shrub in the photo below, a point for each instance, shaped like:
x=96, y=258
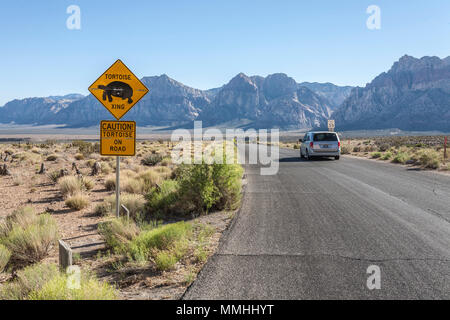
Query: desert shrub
x=43, y=281
x=357, y=149
x=151, y=159
x=90, y=289
x=77, y=202
x=5, y=254
x=28, y=279
x=197, y=188
x=106, y=169
x=296, y=146
x=54, y=175
x=151, y=177
x=102, y=209
x=118, y=233
x=203, y=186
x=165, y=260
x=375, y=155
x=166, y=161
x=87, y=183
x=135, y=203
x=110, y=183
x=400, y=157
x=70, y=185
x=345, y=150
x=22, y=218
x=148, y=243
x=133, y=186
x=429, y=159
x=384, y=147
x=386, y=156
x=31, y=243
x=86, y=148
x=164, y=199
x=79, y=156
x=51, y=157
x=227, y=179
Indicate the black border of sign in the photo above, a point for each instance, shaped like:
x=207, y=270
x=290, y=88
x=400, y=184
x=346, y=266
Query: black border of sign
x=118, y=119
x=119, y=155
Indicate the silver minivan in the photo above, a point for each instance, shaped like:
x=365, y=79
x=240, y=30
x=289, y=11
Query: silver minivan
x=320, y=144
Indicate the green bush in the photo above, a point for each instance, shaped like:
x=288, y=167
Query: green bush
x=164, y=199
x=197, y=188
x=429, y=159
x=22, y=217
x=386, y=156
x=124, y=237
x=90, y=289
x=165, y=260
x=376, y=155
x=28, y=279
x=5, y=254
x=401, y=157
x=228, y=180
x=31, y=243
x=151, y=159
x=135, y=203
x=118, y=233
x=44, y=282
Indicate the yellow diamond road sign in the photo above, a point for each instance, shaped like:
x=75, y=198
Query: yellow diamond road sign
x=118, y=89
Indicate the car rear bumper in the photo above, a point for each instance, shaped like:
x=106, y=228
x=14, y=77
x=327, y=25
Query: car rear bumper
x=317, y=153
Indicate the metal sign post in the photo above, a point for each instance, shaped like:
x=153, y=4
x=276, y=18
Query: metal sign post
x=118, y=90
x=118, y=186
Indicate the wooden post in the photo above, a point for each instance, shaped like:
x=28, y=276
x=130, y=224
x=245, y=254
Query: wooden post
x=65, y=255
x=445, y=148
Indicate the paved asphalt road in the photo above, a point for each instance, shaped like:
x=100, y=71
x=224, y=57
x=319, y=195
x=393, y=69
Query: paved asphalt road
x=312, y=230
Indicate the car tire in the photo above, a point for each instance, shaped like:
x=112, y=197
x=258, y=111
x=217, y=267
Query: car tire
x=336, y=158
x=301, y=154
x=307, y=157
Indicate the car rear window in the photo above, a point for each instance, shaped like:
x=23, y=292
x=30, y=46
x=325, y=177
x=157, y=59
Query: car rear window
x=325, y=137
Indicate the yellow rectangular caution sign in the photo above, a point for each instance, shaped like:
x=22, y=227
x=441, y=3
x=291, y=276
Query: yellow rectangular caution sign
x=117, y=138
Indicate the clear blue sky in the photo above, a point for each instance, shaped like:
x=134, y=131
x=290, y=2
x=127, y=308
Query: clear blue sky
x=205, y=43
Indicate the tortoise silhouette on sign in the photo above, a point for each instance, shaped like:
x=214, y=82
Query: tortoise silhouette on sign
x=117, y=89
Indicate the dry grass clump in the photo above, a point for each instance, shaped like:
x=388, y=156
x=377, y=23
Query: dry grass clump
x=77, y=202
x=132, y=182
x=44, y=281
x=29, y=237
x=71, y=185
x=134, y=202
x=5, y=254
x=79, y=156
x=51, y=157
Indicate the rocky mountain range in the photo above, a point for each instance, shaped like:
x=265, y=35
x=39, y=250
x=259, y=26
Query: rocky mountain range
x=413, y=95
x=274, y=101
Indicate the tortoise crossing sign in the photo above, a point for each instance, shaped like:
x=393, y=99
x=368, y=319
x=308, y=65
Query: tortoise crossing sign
x=117, y=138
x=118, y=89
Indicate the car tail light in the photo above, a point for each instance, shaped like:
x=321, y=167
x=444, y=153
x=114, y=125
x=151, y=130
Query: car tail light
x=311, y=144
x=339, y=144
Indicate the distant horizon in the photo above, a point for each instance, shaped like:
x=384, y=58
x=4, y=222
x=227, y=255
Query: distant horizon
x=86, y=93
